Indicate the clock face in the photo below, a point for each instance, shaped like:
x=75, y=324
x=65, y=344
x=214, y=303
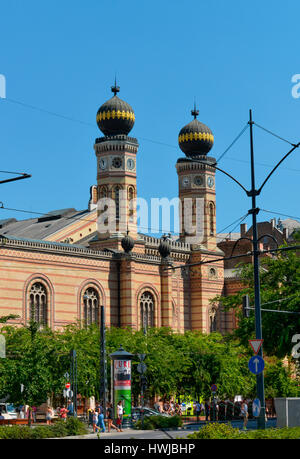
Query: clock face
x=130, y=163
x=210, y=181
x=198, y=180
x=117, y=163
x=103, y=163
x=185, y=181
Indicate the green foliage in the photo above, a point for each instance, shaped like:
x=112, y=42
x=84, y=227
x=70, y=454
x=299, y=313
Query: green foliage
x=279, y=280
x=160, y=422
x=216, y=431
x=70, y=427
x=177, y=364
x=226, y=431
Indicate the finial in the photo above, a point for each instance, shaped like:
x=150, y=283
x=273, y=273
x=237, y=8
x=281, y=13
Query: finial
x=115, y=89
x=195, y=112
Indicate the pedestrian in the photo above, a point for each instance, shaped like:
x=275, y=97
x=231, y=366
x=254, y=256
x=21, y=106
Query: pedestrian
x=207, y=410
x=63, y=413
x=197, y=410
x=244, y=414
x=109, y=417
x=94, y=420
x=49, y=415
x=34, y=410
x=70, y=408
x=100, y=423
x=120, y=412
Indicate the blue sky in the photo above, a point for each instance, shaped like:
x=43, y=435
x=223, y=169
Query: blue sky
x=62, y=56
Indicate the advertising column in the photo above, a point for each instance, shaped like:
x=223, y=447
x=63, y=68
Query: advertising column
x=122, y=380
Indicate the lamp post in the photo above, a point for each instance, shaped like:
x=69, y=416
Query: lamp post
x=122, y=381
x=253, y=192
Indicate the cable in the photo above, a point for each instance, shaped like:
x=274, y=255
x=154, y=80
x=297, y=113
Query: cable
x=235, y=140
x=261, y=164
x=272, y=133
x=278, y=213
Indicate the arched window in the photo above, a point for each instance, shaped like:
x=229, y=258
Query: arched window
x=131, y=204
x=91, y=309
x=117, y=190
x=212, y=218
x=147, y=310
x=103, y=192
x=38, y=303
x=213, y=320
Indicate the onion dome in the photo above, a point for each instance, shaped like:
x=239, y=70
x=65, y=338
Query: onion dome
x=195, y=138
x=127, y=243
x=164, y=247
x=115, y=116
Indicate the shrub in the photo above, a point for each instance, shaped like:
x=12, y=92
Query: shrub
x=159, y=422
x=226, y=431
x=216, y=431
x=72, y=426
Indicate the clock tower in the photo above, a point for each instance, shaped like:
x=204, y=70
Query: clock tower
x=196, y=181
x=116, y=172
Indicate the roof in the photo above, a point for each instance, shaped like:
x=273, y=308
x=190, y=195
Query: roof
x=41, y=227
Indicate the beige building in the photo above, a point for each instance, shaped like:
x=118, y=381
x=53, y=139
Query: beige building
x=61, y=267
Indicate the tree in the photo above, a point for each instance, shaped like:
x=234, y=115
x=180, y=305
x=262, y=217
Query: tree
x=279, y=288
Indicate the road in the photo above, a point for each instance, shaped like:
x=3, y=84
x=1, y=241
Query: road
x=132, y=434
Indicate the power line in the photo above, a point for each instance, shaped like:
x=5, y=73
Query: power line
x=278, y=213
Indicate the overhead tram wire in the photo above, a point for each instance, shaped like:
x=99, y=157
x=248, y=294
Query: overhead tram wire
x=273, y=134
x=278, y=213
x=231, y=145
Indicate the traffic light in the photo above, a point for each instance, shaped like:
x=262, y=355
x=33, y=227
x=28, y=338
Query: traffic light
x=246, y=306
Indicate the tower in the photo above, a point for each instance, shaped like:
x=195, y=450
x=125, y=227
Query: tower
x=116, y=172
x=197, y=184
x=198, y=222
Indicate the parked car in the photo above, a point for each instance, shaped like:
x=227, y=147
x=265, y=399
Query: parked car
x=136, y=413
x=8, y=411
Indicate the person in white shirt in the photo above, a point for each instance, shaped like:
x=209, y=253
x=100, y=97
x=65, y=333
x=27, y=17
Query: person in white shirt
x=120, y=412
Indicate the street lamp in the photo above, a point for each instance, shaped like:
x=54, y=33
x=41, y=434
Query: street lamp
x=253, y=192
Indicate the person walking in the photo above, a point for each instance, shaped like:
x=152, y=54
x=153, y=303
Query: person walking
x=244, y=414
x=94, y=420
x=100, y=423
x=207, y=410
x=49, y=415
x=197, y=409
x=120, y=412
x=109, y=417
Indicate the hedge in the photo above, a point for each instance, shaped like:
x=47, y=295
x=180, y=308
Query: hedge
x=72, y=426
x=159, y=422
x=226, y=431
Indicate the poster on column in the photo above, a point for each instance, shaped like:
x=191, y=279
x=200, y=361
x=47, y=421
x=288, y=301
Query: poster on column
x=122, y=384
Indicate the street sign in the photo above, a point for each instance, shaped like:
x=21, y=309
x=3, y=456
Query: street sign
x=68, y=393
x=68, y=385
x=256, y=364
x=66, y=375
x=214, y=388
x=256, y=345
x=256, y=406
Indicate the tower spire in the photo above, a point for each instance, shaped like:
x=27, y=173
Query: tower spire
x=115, y=89
x=195, y=112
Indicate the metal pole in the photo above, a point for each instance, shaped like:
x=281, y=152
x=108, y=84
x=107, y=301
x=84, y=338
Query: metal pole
x=261, y=422
x=103, y=369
